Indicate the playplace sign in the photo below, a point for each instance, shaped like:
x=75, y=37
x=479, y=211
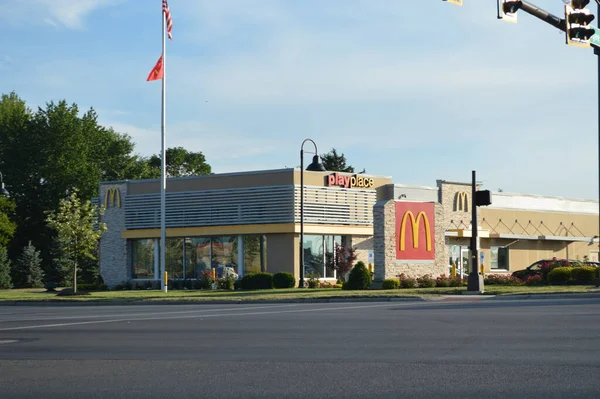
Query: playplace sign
x=335, y=179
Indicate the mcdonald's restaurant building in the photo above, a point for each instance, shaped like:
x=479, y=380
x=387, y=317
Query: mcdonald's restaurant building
x=250, y=221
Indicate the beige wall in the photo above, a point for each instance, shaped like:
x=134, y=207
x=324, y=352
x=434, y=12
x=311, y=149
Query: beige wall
x=280, y=249
x=538, y=223
x=362, y=245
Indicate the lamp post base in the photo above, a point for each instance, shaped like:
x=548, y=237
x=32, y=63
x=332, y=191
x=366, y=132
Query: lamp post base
x=475, y=282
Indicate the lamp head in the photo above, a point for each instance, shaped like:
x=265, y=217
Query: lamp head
x=316, y=165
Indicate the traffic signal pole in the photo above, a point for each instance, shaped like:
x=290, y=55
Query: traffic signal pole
x=544, y=15
x=597, y=52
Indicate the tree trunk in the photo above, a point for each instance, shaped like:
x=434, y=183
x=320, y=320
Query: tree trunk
x=75, y=268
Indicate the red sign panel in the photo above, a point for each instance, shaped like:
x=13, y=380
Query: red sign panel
x=415, y=231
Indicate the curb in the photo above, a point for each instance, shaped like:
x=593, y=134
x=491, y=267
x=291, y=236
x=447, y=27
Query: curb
x=444, y=298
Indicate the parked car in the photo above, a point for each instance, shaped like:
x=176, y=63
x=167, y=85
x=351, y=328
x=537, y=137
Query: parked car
x=536, y=268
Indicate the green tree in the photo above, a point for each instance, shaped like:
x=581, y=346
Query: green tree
x=5, y=280
x=7, y=226
x=44, y=154
x=336, y=162
x=78, y=231
x=180, y=162
x=28, y=271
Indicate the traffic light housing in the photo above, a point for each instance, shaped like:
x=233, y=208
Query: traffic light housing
x=577, y=19
x=507, y=10
x=483, y=198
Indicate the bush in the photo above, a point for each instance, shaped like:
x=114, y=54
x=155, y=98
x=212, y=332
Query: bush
x=560, y=275
x=535, y=280
x=257, y=281
x=360, y=278
x=227, y=282
x=501, y=279
x=426, y=281
x=313, y=280
x=407, y=282
x=390, y=284
x=284, y=280
x=583, y=274
x=246, y=283
x=442, y=281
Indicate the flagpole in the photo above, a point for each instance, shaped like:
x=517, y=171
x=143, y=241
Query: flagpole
x=163, y=172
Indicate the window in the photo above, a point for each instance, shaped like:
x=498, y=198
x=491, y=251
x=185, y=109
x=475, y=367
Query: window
x=319, y=255
x=499, y=258
x=143, y=258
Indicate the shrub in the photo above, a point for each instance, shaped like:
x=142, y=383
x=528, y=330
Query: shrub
x=442, y=281
x=583, y=274
x=257, y=281
x=456, y=281
x=535, y=280
x=206, y=280
x=559, y=275
x=246, y=283
x=501, y=279
x=426, y=281
x=407, y=282
x=226, y=283
x=313, y=282
x=359, y=278
x=284, y=280
x=390, y=284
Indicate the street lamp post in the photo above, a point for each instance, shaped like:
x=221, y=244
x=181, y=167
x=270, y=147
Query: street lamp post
x=315, y=166
x=3, y=191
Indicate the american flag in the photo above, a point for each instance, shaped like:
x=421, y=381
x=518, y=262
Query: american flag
x=165, y=8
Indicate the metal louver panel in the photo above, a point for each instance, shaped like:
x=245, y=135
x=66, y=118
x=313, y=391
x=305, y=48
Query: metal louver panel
x=254, y=205
x=328, y=205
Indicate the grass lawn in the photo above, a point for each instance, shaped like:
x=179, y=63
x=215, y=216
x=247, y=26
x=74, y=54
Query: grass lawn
x=40, y=294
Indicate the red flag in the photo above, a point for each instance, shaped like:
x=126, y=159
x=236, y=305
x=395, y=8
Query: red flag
x=167, y=13
x=157, y=71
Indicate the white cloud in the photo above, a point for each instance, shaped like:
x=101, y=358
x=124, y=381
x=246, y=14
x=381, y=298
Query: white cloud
x=70, y=14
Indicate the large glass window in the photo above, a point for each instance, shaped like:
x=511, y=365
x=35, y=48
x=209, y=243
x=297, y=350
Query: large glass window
x=252, y=254
x=225, y=254
x=199, y=256
x=143, y=258
x=174, y=258
x=319, y=255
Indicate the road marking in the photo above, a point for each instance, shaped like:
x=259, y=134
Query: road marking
x=8, y=341
x=79, y=323
x=141, y=314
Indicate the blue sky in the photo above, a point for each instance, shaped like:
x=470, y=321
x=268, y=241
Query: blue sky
x=249, y=80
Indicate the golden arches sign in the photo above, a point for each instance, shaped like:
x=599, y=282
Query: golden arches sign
x=415, y=222
x=462, y=202
x=112, y=198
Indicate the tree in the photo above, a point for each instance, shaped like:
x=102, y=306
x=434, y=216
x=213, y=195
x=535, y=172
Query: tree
x=7, y=226
x=44, y=154
x=78, y=231
x=28, y=271
x=5, y=280
x=336, y=162
x=180, y=162
x=344, y=259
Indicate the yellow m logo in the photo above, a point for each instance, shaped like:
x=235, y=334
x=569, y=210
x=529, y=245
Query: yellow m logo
x=415, y=230
x=111, y=195
x=462, y=202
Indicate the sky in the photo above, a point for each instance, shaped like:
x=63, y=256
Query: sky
x=416, y=90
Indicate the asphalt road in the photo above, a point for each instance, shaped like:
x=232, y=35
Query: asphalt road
x=444, y=349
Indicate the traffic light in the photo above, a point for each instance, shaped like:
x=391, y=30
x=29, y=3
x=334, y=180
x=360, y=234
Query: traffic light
x=577, y=19
x=457, y=2
x=507, y=10
x=483, y=198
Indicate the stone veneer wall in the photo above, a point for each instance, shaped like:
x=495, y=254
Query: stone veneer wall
x=454, y=218
x=386, y=264
x=113, y=248
x=362, y=245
